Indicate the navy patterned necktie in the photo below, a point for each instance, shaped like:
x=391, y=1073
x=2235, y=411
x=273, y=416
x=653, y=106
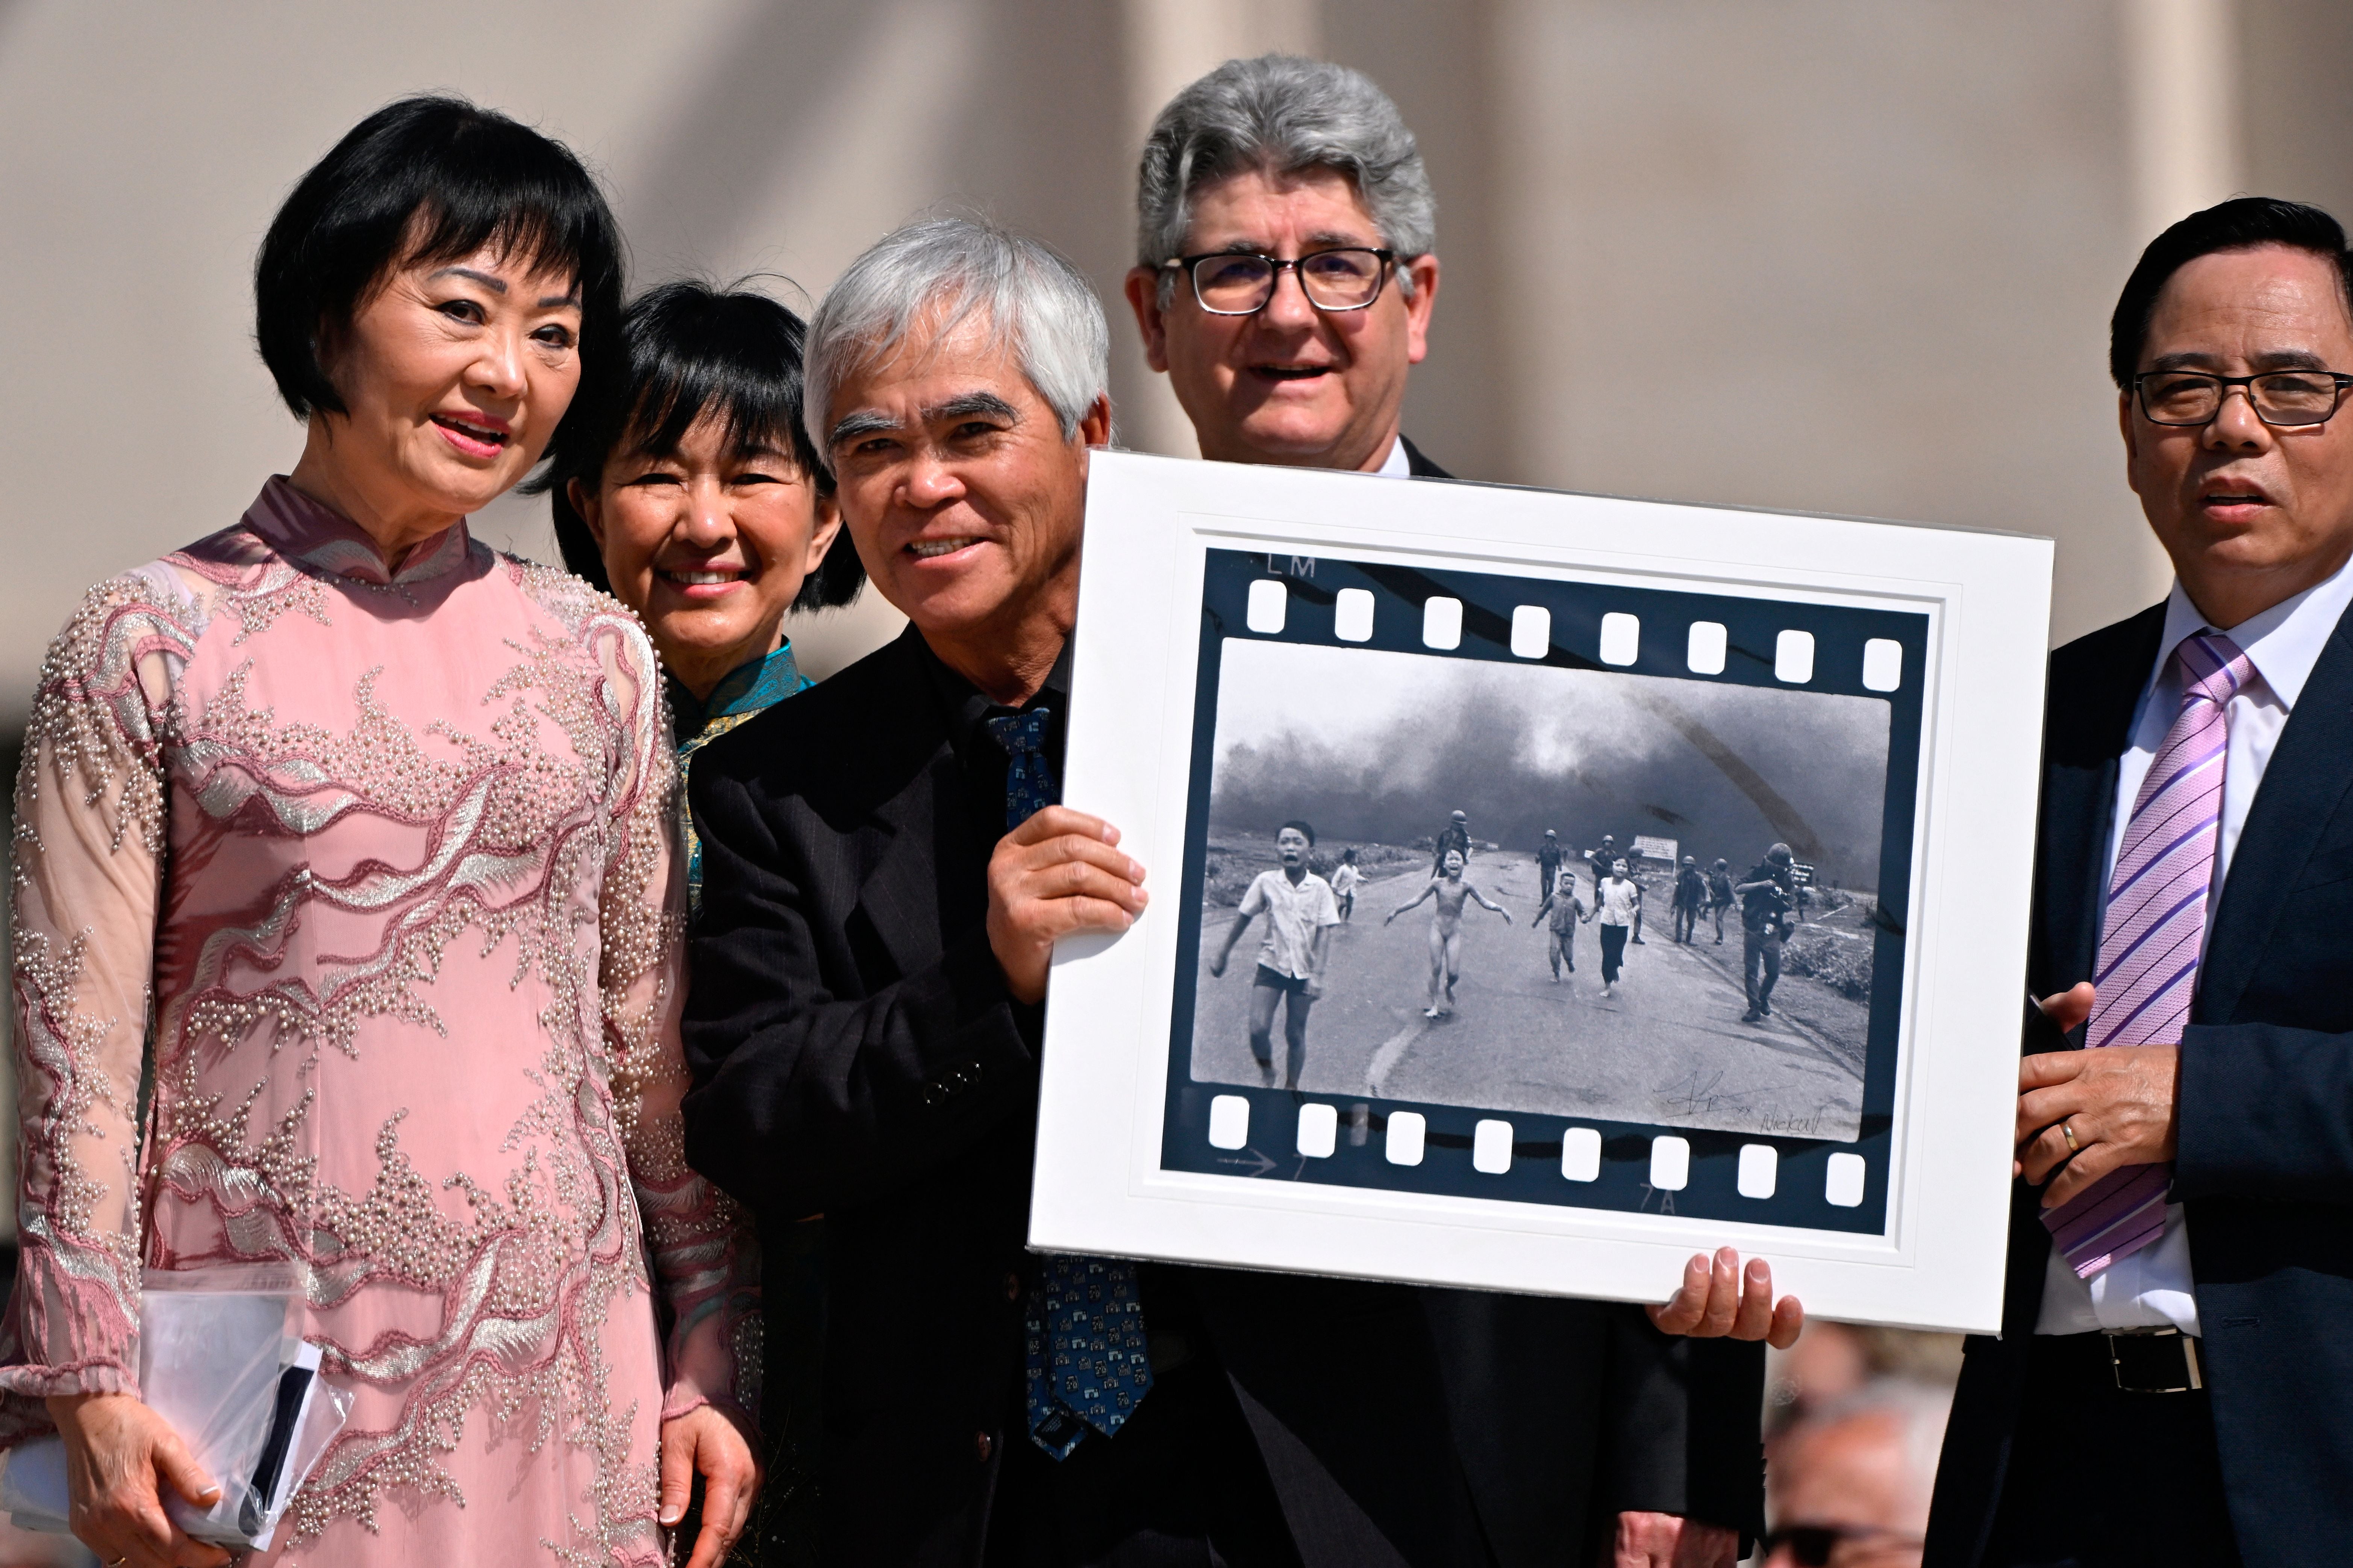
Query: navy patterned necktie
x=1084, y=1325
x=1030, y=782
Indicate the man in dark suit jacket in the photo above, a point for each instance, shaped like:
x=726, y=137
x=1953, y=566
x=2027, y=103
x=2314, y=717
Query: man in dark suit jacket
x=2174, y=1379
x=1251, y=175
x=864, y=1026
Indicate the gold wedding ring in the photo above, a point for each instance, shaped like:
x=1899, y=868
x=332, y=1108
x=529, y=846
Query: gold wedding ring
x=2069, y=1133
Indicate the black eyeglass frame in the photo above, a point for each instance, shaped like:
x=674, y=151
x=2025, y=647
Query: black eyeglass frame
x=1274, y=277
x=2223, y=393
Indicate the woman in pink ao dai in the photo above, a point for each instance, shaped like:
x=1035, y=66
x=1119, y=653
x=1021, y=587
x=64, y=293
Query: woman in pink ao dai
x=347, y=917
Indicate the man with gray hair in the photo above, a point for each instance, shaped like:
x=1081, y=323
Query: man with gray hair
x=1285, y=268
x=1286, y=273
x=885, y=876
x=887, y=867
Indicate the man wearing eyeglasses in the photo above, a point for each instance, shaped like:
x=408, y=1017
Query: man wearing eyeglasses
x=1285, y=283
x=2174, y=1380
x=1287, y=300
x=1849, y=1482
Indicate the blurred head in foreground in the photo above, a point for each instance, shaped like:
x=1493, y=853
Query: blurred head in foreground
x=1850, y=1485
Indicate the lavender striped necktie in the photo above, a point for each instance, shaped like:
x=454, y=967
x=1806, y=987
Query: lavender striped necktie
x=2155, y=925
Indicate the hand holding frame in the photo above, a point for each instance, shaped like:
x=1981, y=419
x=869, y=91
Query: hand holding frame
x=1717, y=1301
x=1058, y=874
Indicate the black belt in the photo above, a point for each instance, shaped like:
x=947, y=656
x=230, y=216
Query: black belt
x=2149, y=1361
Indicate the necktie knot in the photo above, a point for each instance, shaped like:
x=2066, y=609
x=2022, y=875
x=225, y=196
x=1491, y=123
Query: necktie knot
x=1021, y=732
x=2212, y=668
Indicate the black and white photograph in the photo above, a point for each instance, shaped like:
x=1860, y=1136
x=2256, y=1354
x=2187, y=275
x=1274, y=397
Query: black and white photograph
x=1528, y=888
x=1742, y=748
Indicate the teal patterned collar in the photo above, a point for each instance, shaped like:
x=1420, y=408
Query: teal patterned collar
x=748, y=689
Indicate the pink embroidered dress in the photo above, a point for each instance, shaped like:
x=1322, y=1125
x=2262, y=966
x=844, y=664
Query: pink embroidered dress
x=347, y=914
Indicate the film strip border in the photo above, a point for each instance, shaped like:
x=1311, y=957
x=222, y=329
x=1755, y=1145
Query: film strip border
x=1373, y=1143
x=1522, y=1157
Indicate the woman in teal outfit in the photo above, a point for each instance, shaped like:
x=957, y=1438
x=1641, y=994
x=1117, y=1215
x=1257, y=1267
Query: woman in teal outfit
x=686, y=486
x=692, y=493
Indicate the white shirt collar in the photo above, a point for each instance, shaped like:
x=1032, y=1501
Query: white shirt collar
x=2282, y=643
x=1395, y=466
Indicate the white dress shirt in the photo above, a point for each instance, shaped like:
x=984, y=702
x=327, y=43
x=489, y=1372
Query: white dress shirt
x=1395, y=466
x=2151, y=1288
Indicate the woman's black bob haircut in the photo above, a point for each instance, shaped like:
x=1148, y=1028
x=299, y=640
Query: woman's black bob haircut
x=426, y=179
x=686, y=352
x=2238, y=224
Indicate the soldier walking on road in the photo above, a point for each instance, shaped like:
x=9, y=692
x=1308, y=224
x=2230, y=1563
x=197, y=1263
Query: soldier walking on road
x=1455, y=835
x=1766, y=895
x=1603, y=858
x=1549, y=856
x=1719, y=895
x=1691, y=897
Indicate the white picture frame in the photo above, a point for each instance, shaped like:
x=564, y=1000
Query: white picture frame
x=1904, y=1222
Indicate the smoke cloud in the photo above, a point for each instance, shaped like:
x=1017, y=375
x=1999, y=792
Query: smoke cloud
x=1381, y=746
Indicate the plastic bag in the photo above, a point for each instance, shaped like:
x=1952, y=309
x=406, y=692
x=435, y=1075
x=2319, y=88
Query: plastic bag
x=220, y=1358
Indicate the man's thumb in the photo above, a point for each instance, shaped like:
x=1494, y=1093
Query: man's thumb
x=2070, y=1008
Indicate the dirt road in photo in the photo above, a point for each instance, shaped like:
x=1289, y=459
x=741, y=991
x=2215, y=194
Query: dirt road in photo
x=1669, y=1047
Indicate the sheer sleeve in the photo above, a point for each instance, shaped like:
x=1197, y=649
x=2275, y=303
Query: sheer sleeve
x=89, y=833
x=705, y=1252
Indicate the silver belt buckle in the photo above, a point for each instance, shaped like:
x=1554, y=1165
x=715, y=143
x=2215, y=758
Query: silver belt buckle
x=2155, y=1360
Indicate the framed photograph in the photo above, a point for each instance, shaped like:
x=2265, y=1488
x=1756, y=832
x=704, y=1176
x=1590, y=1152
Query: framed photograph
x=1546, y=887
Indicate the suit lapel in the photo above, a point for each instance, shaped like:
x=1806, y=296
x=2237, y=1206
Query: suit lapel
x=2303, y=786
x=1419, y=466
x=2093, y=692
x=2079, y=802
x=899, y=892
x=896, y=901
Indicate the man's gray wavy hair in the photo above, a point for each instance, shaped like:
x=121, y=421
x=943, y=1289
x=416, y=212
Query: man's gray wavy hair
x=936, y=272
x=1285, y=115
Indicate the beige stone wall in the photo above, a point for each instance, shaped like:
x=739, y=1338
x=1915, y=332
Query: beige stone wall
x=1851, y=256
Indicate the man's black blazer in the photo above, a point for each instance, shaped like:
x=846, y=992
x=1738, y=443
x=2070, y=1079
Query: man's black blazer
x=856, y=1054
x=2266, y=1111
x=1420, y=466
